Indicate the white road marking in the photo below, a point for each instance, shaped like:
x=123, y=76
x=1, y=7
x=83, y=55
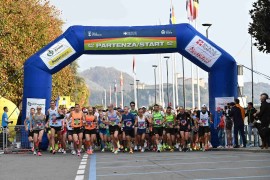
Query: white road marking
x=81, y=169
x=82, y=166
x=79, y=177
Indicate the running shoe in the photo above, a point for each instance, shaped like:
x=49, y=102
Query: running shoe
x=79, y=153
x=145, y=144
x=143, y=149
x=53, y=151
x=126, y=149
x=91, y=151
x=136, y=148
x=118, y=144
x=39, y=154
x=130, y=151
x=103, y=150
x=88, y=151
x=33, y=149
x=35, y=152
x=64, y=152
x=60, y=150
x=73, y=152
x=180, y=149
x=116, y=151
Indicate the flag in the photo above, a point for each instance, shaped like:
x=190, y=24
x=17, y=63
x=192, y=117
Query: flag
x=189, y=8
x=121, y=80
x=133, y=65
x=57, y=101
x=195, y=9
x=172, y=16
x=115, y=86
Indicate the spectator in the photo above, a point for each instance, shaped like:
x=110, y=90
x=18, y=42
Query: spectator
x=228, y=126
x=238, y=113
x=264, y=116
x=5, y=120
x=249, y=114
x=220, y=127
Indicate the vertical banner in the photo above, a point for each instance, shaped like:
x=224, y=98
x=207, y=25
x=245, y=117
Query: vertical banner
x=221, y=102
x=33, y=103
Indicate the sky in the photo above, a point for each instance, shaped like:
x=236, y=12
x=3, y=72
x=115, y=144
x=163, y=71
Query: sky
x=229, y=30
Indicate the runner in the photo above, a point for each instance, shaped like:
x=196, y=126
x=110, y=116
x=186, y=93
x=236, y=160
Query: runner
x=56, y=124
x=194, y=131
x=70, y=131
x=113, y=120
x=134, y=112
x=37, y=126
x=169, y=124
x=148, y=134
x=51, y=111
x=77, y=119
x=141, y=123
x=28, y=127
x=184, y=122
x=158, y=120
x=102, y=128
x=90, y=130
x=204, y=118
x=64, y=133
x=128, y=121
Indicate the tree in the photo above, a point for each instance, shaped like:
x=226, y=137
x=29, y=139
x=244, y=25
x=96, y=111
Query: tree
x=25, y=27
x=259, y=28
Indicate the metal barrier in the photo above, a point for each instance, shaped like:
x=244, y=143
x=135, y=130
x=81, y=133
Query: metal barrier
x=14, y=139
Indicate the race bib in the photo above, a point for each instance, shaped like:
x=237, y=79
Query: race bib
x=183, y=122
x=102, y=126
x=77, y=121
x=113, y=123
x=170, y=124
x=128, y=123
x=141, y=125
x=158, y=121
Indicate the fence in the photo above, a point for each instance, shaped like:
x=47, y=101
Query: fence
x=14, y=139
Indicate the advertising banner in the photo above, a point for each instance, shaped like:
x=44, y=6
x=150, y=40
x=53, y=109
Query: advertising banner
x=203, y=51
x=221, y=102
x=129, y=39
x=33, y=103
x=58, y=53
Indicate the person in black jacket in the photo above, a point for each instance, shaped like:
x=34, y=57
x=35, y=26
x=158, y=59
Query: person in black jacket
x=249, y=114
x=238, y=121
x=264, y=116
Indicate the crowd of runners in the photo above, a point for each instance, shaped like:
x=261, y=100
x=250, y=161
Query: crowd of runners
x=119, y=130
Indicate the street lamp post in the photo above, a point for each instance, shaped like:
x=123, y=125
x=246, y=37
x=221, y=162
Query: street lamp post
x=131, y=90
x=155, y=67
x=167, y=57
x=208, y=25
x=137, y=82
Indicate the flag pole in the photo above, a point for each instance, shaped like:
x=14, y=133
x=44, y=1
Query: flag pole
x=173, y=79
x=105, y=99
x=110, y=94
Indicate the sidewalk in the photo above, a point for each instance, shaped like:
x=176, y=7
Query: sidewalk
x=247, y=149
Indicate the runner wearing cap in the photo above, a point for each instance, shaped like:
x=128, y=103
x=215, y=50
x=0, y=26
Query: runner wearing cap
x=203, y=119
x=37, y=126
x=56, y=124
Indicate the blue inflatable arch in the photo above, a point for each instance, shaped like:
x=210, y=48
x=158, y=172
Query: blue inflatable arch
x=78, y=40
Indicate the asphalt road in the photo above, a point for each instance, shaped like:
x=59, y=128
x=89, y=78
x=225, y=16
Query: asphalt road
x=137, y=166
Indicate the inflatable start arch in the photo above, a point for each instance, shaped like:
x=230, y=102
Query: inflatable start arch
x=78, y=40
